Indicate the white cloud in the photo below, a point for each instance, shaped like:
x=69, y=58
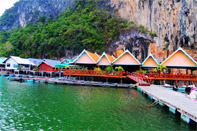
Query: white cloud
x=6, y=4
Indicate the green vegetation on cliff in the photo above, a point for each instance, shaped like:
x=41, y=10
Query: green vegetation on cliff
x=85, y=25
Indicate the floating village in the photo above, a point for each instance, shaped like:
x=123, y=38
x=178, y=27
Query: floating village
x=161, y=82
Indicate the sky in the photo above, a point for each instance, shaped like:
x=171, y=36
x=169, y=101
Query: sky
x=6, y=4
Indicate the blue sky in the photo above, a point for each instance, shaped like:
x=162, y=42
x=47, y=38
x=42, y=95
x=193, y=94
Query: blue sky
x=6, y=4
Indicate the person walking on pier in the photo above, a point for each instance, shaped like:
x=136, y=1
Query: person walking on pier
x=193, y=93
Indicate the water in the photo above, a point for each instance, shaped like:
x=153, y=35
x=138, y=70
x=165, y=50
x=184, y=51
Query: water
x=26, y=106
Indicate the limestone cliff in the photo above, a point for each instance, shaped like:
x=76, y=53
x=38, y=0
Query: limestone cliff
x=174, y=21
x=26, y=11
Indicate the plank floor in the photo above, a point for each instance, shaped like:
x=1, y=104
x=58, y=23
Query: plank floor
x=173, y=99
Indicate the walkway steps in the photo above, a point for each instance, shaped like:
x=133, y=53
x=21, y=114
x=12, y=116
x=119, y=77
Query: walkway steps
x=138, y=80
x=176, y=101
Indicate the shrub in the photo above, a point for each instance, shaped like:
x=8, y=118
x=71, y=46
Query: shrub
x=142, y=29
x=166, y=45
x=97, y=69
x=109, y=69
x=84, y=68
x=132, y=24
x=161, y=68
x=141, y=71
x=67, y=67
x=36, y=68
x=154, y=69
x=120, y=68
x=153, y=34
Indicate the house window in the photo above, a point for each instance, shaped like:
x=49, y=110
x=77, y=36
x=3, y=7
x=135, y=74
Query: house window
x=8, y=64
x=66, y=62
x=15, y=66
x=42, y=68
x=48, y=68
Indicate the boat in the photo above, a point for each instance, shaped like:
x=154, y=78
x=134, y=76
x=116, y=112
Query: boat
x=8, y=77
x=16, y=79
x=51, y=81
x=3, y=75
x=69, y=82
x=134, y=85
x=168, y=86
x=124, y=85
x=28, y=80
x=175, y=88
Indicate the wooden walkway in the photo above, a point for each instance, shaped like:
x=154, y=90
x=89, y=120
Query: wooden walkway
x=174, y=100
x=139, y=80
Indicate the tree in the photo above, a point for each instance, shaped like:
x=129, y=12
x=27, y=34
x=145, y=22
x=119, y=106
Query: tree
x=8, y=46
x=161, y=68
x=109, y=69
x=36, y=68
x=87, y=25
x=42, y=19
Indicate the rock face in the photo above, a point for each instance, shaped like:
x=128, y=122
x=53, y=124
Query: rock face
x=174, y=21
x=26, y=11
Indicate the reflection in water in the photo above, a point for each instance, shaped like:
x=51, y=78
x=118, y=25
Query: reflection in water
x=26, y=106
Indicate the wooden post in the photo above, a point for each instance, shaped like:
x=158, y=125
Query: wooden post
x=92, y=78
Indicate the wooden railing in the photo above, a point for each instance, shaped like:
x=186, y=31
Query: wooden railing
x=167, y=76
x=147, y=77
x=92, y=73
x=140, y=78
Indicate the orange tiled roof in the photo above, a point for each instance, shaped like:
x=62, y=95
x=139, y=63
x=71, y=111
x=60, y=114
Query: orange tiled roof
x=110, y=58
x=94, y=56
x=150, y=61
x=125, y=60
x=179, y=59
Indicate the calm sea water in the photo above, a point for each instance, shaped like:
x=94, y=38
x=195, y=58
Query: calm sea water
x=26, y=106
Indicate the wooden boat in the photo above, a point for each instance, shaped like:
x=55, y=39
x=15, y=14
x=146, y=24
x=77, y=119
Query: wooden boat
x=16, y=79
x=175, y=88
x=51, y=81
x=134, y=85
x=96, y=83
x=123, y=85
x=3, y=75
x=60, y=82
x=28, y=80
x=113, y=85
x=168, y=86
x=69, y=82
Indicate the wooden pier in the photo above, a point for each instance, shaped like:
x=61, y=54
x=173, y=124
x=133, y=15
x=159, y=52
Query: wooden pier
x=177, y=102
